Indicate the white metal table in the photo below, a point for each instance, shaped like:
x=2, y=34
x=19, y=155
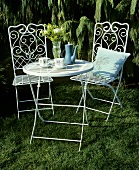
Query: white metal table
x=80, y=67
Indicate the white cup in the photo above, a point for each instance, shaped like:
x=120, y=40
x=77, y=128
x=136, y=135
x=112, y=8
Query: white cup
x=43, y=61
x=59, y=63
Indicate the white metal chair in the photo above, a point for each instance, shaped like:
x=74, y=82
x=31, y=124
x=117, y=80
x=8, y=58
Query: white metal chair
x=108, y=56
x=27, y=45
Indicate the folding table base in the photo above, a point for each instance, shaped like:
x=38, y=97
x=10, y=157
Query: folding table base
x=37, y=113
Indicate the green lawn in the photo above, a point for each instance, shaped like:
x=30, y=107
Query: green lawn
x=112, y=145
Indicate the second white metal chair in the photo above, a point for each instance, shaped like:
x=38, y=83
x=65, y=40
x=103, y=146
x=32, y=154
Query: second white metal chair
x=108, y=56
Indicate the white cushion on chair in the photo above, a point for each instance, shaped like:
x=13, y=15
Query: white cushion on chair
x=109, y=62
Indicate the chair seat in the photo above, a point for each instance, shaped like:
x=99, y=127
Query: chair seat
x=23, y=80
x=94, y=79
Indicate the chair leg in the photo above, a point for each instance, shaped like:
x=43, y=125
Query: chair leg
x=84, y=114
x=90, y=94
x=82, y=130
x=115, y=97
x=37, y=112
x=111, y=108
x=50, y=97
x=17, y=102
x=82, y=83
x=36, y=104
x=115, y=93
x=35, y=118
x=84, y=98
x=112, y=102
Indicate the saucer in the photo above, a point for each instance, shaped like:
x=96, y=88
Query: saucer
x=46, y=65
x=60, y=67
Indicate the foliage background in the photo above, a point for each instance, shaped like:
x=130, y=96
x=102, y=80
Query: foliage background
x=78, y=17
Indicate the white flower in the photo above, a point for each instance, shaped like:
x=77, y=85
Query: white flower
x=52, y=32
x=57, y=30
x=45, y=31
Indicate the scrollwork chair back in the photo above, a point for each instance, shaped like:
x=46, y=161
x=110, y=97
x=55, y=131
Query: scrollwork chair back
x=27, y=44
x=111, y=36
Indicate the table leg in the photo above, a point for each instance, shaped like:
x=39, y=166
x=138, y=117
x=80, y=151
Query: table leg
x=36, y=104
x=37, y=112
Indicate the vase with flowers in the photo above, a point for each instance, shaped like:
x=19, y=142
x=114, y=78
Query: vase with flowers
x=55, y=34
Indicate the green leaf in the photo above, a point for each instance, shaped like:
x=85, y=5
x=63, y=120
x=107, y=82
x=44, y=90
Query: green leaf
x=98, y=10
x=111, y=2
x=123, y=5
x=133, y=6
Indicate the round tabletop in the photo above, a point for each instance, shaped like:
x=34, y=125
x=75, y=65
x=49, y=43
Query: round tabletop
x=80, y=67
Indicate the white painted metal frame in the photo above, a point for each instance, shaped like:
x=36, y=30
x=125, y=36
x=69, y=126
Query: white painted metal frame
x=111, y=36
x=78, y=68
x=27, y=45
